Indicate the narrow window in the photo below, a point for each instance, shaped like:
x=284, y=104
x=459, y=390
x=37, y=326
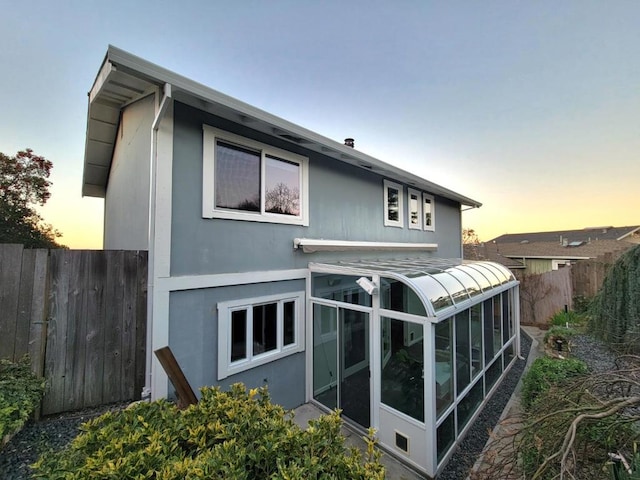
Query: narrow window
x=393, y=200
x=238, y=335
x=289, y=322
x=415, y=210
x=428, y=208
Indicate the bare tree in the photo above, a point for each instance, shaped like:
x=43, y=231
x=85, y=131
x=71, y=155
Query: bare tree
x=282, y=199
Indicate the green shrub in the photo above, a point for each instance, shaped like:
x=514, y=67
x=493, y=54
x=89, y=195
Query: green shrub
x=614, y=315
x=545, y=372
x=235, y=435
x=571, y=318
x=20, y=394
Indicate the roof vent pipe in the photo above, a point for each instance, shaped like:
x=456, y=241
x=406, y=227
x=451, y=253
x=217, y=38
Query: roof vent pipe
x=350, y=142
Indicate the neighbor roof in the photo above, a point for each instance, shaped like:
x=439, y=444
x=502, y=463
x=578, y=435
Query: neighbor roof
x=583, y=235
x=124, y=78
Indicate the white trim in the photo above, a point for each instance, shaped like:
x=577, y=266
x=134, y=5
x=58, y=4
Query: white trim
x=209, y=210
x=396, y=186
x=227, y=368
x=432, y=202
x=311, y=245
x=192, y=282
x=420, y=201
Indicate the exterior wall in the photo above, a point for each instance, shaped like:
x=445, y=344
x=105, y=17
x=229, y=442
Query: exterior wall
x=346, y=203
x=126, y=206
x=535, y=266
x=193, y=337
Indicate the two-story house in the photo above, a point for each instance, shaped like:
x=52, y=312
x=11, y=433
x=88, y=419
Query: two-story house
x=280, y=257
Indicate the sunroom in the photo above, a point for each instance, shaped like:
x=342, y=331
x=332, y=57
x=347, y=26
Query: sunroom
x=411, y=347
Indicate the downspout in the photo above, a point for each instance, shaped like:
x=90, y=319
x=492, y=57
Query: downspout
x=160, y=112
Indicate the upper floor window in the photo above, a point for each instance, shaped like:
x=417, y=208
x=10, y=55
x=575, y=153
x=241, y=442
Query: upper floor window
x=415, y=209
x=393, y=202
x=428, y=211
x=256, y=331
x=248, y=180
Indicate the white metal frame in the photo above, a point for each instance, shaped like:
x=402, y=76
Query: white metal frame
x=209, y=210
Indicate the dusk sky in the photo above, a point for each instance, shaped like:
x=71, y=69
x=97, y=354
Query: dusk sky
x=532, y=108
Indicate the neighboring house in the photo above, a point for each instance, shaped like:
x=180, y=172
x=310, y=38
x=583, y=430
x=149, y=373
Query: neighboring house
x=540, y=252
x=280, y=257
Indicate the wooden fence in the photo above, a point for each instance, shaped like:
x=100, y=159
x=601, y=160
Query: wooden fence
x=588, y=275
x=81, y=316
x=543, y=295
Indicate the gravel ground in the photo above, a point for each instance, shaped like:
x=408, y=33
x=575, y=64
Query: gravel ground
x=53, y=432
x=57, y=431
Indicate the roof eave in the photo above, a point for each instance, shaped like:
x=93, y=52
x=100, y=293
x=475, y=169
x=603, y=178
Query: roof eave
x=208, y=99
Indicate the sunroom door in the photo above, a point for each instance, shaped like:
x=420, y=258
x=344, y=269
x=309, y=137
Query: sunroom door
x=341, y=363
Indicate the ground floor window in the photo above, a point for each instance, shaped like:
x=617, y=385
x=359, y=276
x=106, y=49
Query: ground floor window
x=259, y=330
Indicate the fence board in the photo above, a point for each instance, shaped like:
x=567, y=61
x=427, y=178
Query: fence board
x=141, y=326
x=95, y=330
x=55, y=357
x=39, y=311
x=25, y=293
x=113, y=318
x=130, y=293
x=10, y=271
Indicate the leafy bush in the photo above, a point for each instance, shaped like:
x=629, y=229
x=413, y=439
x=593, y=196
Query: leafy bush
x=545, y=372
x=236, y=435
x=614, y=315
x=20, y=394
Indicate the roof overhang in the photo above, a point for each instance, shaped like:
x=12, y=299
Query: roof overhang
x=124, y=78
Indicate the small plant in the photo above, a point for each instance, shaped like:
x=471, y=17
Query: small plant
x=238, y=434
x=545, y=372
x=569, y=318
x=20, y=394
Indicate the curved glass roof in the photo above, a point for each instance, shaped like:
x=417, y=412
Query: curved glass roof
x=440, y=283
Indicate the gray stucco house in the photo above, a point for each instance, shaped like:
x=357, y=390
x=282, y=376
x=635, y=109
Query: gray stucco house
x=279, y=256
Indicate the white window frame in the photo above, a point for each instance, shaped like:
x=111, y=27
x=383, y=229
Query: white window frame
x=432, y=227
x=210, y=136
x=226, y=367
x=420, y=202
x=393, y=223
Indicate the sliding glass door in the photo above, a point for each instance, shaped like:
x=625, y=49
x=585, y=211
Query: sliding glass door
x=341, y=361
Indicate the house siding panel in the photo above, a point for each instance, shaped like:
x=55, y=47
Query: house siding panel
x=193, y=338
x=126, y=206
x=346, y=203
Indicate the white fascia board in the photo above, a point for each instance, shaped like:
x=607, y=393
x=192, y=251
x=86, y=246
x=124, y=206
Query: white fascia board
x=151, y=72
x=311, y=245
